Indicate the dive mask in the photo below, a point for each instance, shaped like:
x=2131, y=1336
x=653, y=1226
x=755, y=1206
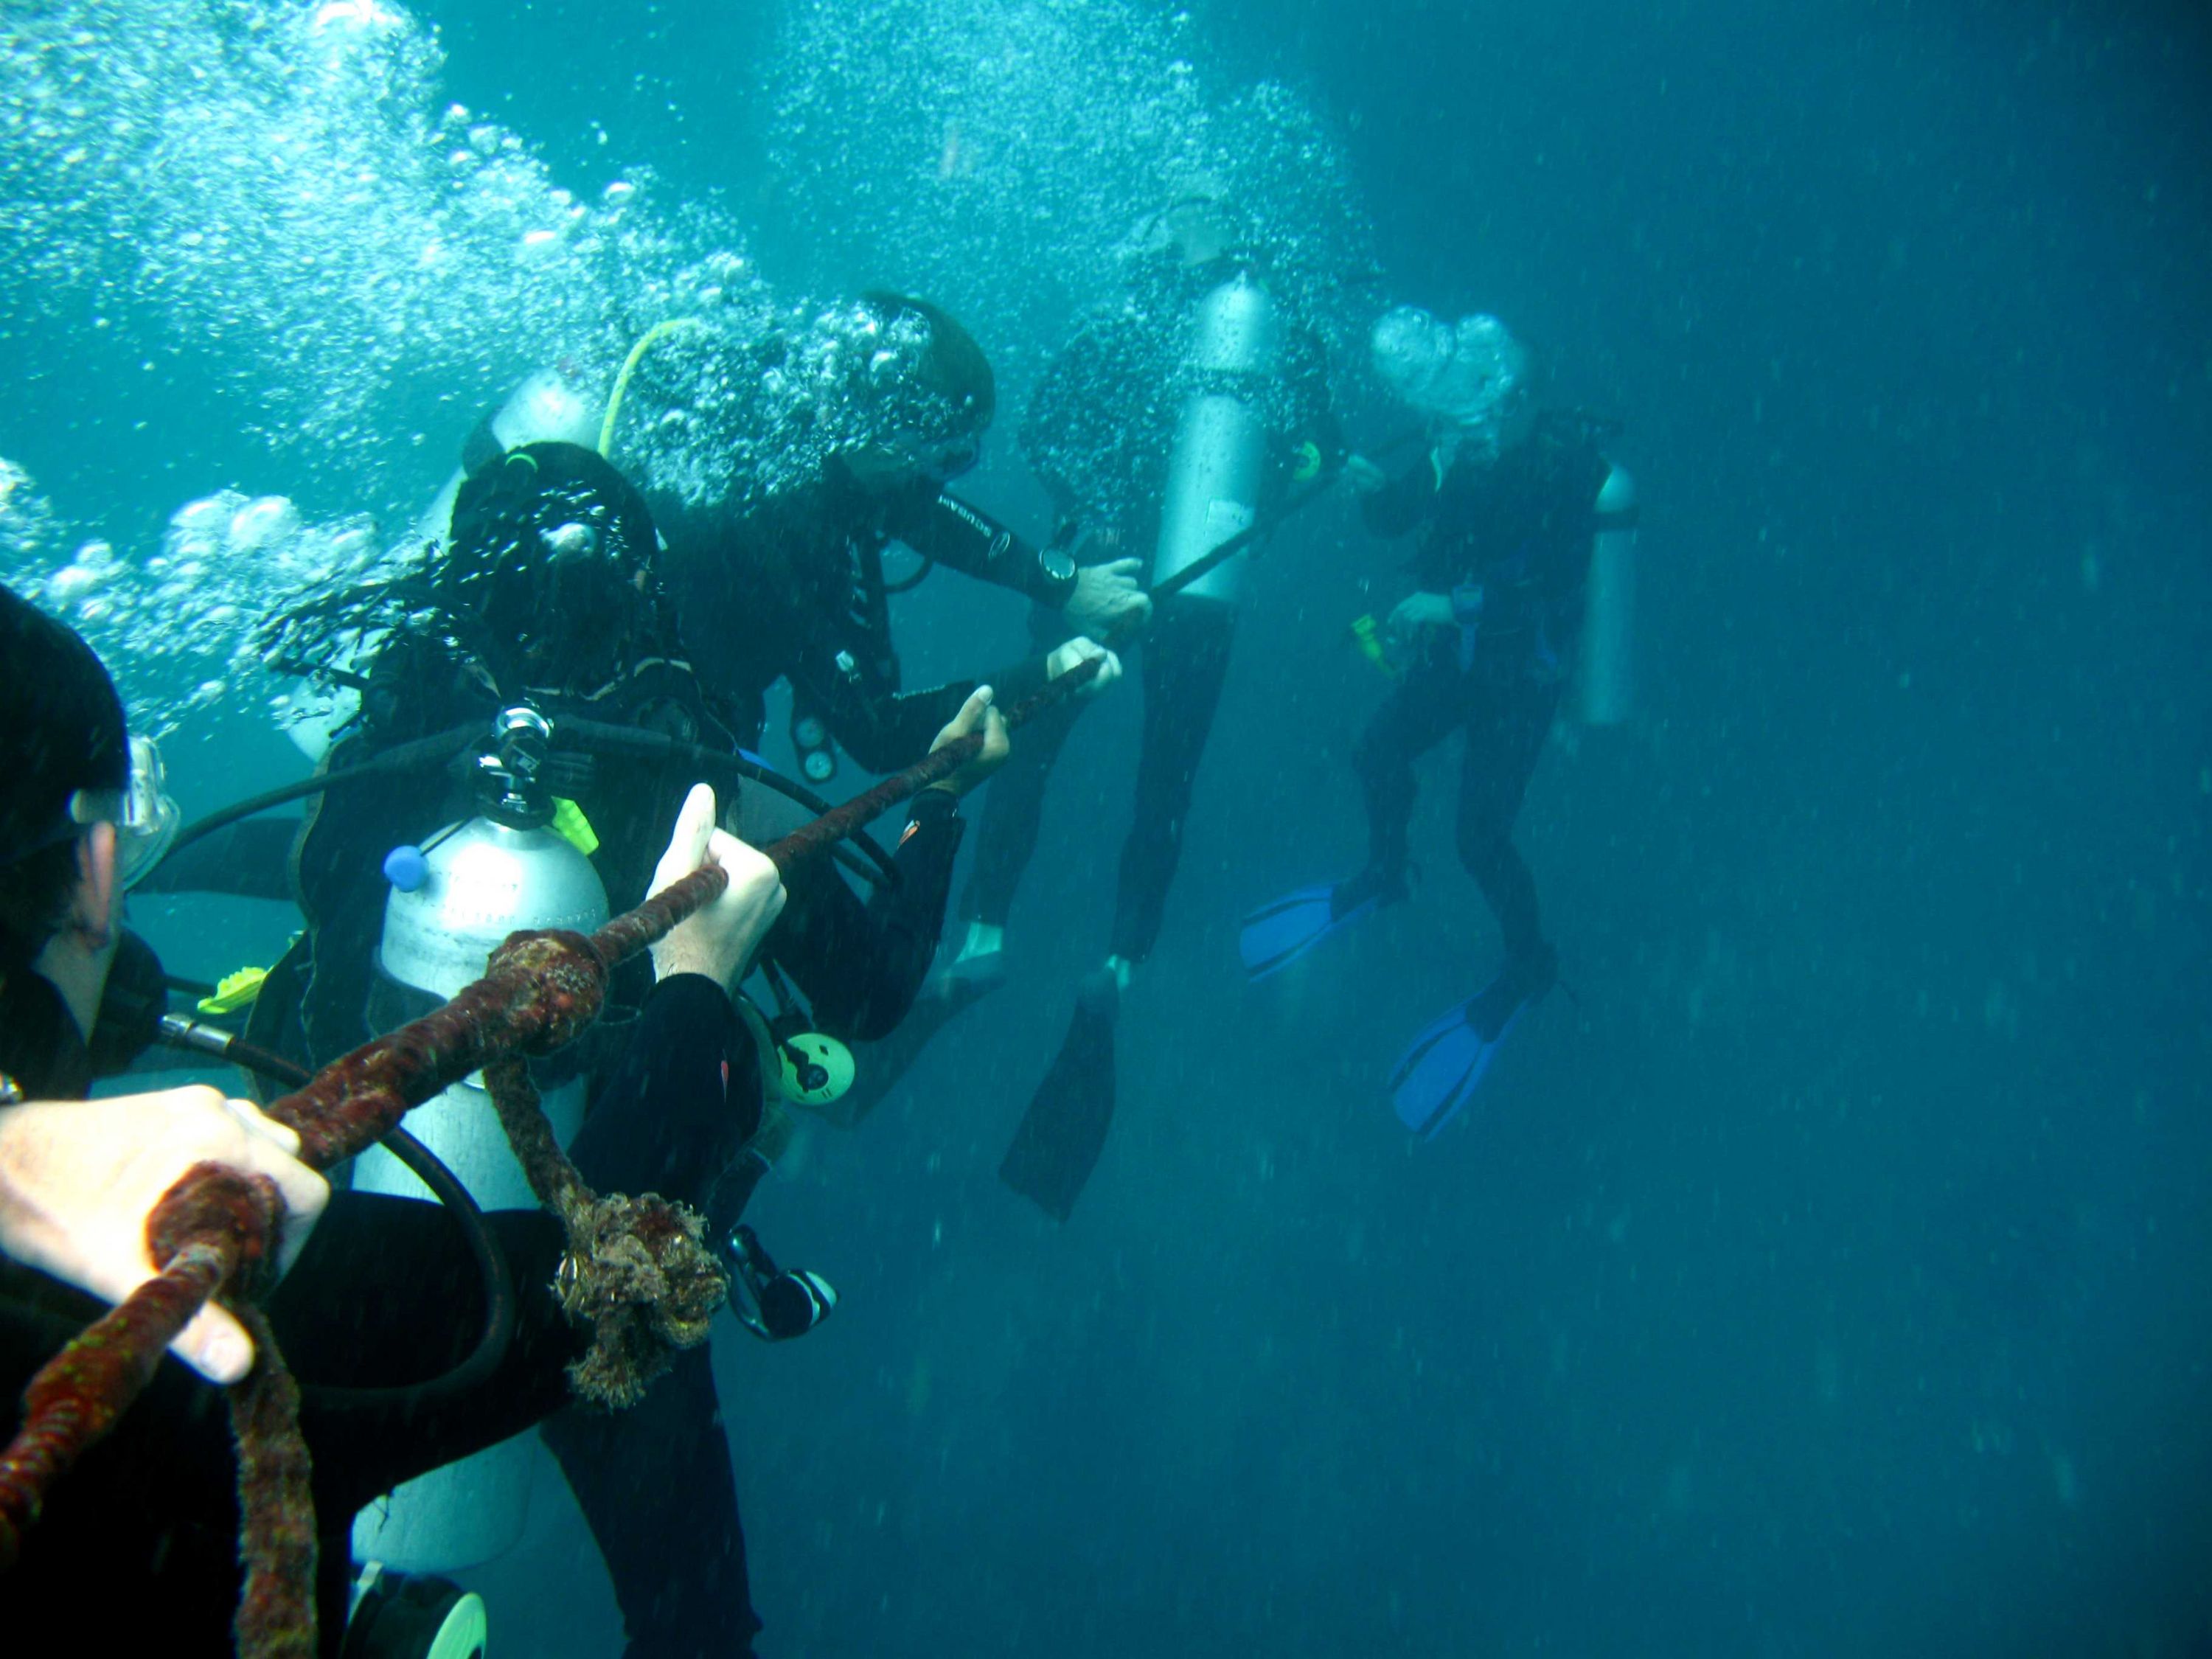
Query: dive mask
x=1473, y=373
x=144, y=815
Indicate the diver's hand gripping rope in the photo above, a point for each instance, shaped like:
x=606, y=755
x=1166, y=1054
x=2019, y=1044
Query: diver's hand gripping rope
x=211, y=1232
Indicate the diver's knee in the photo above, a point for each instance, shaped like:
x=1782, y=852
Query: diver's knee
x=1486, y=850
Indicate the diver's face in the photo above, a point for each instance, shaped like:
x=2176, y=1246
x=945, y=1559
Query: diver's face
x=880, y=468
x=907, y=458
x=1516, y=420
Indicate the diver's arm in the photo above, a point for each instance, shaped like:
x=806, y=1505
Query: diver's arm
x=1315, y=447
x=1401, y=504
x=860, y=970
x=681, y=1101
x=685, y=1094
x=947, y=531
x=78, y=1179
x=859, y=965
x=893, y=729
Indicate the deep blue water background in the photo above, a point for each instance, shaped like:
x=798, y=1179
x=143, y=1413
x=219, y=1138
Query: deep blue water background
x=1830, y=1276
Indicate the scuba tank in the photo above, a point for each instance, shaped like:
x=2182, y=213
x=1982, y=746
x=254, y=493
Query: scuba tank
x=1606, y=682
x=1220, y=450
x=451, y=901
x=545, y=407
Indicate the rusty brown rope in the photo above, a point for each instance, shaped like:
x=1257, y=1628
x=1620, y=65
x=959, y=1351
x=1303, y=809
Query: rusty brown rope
x=210, y=1234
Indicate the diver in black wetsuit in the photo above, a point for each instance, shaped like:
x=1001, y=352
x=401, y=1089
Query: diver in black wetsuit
x=1099, y=434
x=858, y=965
x=1175, y=418
x=1516, y=508
x=548, y=594
x=136, y=1549
x=791, y=586
x=1507, y=503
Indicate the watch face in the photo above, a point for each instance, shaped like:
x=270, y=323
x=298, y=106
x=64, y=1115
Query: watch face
x=1057, y=565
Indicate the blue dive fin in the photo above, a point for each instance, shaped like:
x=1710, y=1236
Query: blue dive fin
x=1440, y=1071
x=1276, y=935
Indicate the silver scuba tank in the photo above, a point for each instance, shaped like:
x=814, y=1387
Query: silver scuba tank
x=1215, y=469
x=1605, y=684
x=451, y=903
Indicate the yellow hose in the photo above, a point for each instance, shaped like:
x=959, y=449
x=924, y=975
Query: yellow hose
x=622, y=381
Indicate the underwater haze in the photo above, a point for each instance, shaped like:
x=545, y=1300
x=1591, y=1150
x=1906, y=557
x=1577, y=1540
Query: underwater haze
x=1827, y=1270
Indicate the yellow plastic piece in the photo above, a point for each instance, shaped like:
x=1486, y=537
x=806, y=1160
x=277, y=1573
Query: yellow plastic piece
x=1309, y=465
x=573, y=827
x=1367, y=635
x=234, y=991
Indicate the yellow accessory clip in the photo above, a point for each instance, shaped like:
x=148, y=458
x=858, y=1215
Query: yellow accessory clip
x=1309, y=466
x=234, y=991
x=1367, y=635
x=573, y=827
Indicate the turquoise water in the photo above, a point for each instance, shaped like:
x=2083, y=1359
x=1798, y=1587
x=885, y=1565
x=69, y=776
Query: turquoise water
x=1828, y=1276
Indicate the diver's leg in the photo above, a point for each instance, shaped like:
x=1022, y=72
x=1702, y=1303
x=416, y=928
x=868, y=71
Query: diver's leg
x=1507, y=727
x=1420, y=711
x=1013, y=801
x=1186, y=661
x=655, y=1484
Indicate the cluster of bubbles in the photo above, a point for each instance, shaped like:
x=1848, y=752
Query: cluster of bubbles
x=731, y=412
x=996, y=154
x=276, y=190
x=273, y=194
x=29, y=529
x=175, y=628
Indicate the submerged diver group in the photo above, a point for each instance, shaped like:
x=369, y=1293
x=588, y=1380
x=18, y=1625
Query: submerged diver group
x=556, y=709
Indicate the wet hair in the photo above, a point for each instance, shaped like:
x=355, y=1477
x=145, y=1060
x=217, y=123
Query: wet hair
x=550, y=569
x=61, y=730
x=949, y=364
x=548, y=579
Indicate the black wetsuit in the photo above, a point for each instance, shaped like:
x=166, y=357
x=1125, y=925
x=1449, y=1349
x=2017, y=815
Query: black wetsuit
x=680, y=1580
x=793, y=589
x=858, y=965
x=1099, y=432
x=135, y=1551
x=1510, y=539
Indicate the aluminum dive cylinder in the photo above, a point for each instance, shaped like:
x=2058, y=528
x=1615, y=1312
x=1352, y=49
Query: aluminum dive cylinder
x=1606, y=675
x=449, y=906
x=1215, y=469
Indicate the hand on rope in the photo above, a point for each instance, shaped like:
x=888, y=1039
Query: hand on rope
x=211, y=1231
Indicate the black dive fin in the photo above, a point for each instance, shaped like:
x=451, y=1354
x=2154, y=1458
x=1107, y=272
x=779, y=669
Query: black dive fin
x=1064, y=1130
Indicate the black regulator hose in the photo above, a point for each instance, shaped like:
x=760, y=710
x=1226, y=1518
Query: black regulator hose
x=605, y=738
x=492, y=1271
x=419, y=756
x=601, y=736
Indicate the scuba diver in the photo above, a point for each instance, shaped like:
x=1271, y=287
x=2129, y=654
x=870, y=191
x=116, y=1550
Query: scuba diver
x=137, y=1543
x=1523, y=581
x=539, y=623
x=1178, y=418
x=790, y=585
